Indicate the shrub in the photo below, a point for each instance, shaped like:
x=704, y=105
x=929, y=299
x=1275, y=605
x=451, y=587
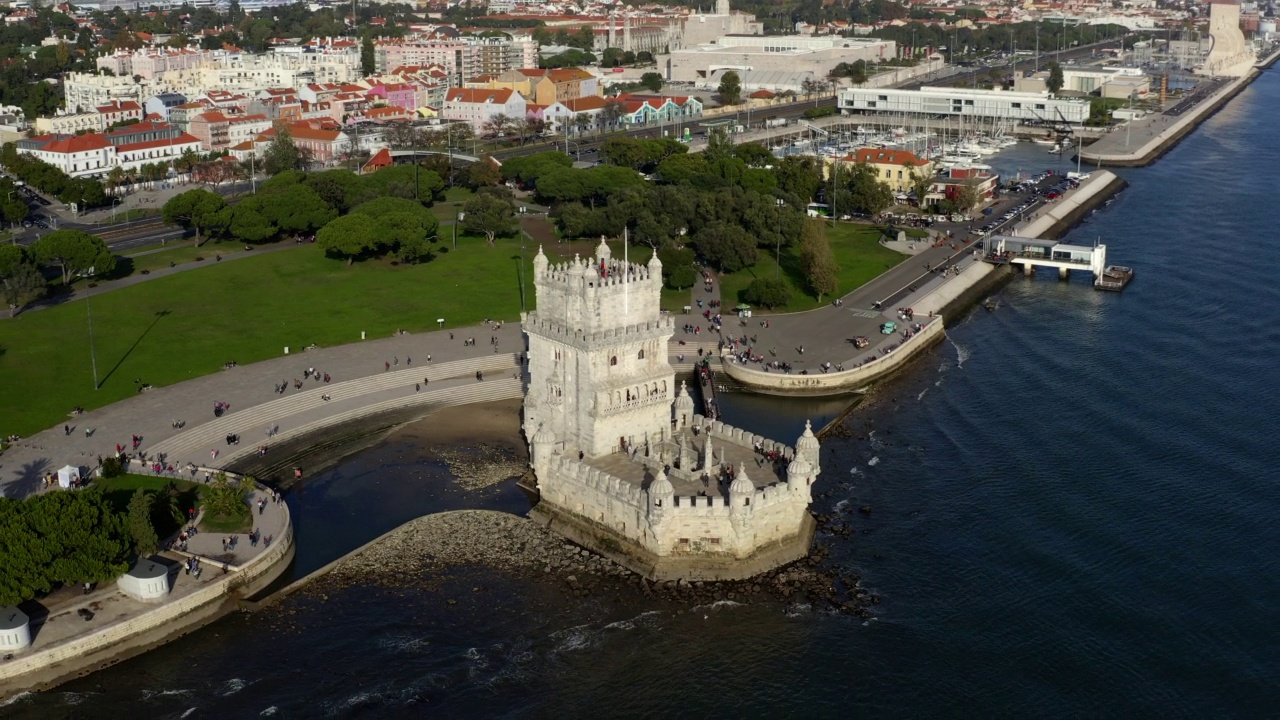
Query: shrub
x=767, y=292
x=112, y=467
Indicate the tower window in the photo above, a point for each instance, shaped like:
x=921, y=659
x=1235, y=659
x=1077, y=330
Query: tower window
x=613, y=360
x=640, y=355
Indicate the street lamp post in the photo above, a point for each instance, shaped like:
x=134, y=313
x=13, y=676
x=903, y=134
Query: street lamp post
x=777, y=246
x=457, y=218
x=93, y=355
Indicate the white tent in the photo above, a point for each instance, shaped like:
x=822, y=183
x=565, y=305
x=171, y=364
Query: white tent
x=67, y=475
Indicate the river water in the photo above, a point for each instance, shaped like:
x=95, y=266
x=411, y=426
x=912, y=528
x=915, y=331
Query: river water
x=1074, y=504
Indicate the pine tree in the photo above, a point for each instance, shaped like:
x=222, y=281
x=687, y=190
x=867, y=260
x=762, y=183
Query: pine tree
x=820, y=267
x=141, y=530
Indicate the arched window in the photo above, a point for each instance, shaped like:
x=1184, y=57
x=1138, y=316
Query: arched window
x=613, y=360
x=640, y=355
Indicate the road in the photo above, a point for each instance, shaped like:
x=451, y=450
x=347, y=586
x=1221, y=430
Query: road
x=969, y=76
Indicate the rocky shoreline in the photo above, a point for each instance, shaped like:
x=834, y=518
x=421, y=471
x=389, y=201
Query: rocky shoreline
x=432, y=544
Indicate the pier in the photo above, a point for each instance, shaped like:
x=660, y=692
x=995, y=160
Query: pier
x=1032, y=253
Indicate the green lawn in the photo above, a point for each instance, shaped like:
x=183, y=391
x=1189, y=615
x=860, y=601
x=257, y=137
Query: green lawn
x=444, y=209
x=856, y=248
x=118, y=491
x=171, y=329
x=155, y=257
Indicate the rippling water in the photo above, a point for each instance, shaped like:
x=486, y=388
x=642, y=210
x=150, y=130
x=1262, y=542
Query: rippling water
x=1074, y=504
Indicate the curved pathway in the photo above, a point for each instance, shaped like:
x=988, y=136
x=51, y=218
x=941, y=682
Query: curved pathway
x=358, y=378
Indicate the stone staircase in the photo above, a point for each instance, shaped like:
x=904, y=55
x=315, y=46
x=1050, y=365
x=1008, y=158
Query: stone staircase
x=348, y=399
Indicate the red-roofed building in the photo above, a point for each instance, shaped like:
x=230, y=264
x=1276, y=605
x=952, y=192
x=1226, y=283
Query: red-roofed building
x=380, y=160
x=94, y=154
x=896, y=168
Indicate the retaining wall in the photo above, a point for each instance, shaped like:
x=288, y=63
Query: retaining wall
x=836, y=383
x=135, y=635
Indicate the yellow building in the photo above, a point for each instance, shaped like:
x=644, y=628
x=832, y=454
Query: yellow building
x=542, y=87
x=896, y=168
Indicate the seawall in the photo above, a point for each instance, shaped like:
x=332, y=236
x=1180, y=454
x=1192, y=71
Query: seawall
x=79, y=656
x=1101, y=186
x=1165, y=141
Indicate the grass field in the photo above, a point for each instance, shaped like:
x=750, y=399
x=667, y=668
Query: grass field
x=175, y=328
x=857, y=251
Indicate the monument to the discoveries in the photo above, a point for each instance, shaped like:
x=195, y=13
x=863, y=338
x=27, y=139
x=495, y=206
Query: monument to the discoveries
x=1231, y=55
x=623, y=464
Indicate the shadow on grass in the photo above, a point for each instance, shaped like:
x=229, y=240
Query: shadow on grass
x=127, y=353
x=124, y=268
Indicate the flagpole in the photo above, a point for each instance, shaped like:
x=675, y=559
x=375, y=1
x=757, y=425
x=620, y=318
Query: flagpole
x=626, y=271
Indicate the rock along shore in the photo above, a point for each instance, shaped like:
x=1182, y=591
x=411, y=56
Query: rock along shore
x=432, y=544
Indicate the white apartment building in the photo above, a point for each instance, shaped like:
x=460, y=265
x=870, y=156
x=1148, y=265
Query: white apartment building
x=477, y=106
x=95, y=154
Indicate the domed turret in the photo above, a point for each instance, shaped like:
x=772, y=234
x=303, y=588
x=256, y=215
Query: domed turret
x=807, y=446
x=602, y=251
x=683, y=407
x=799, y=469
x=541, y=447
x=741, y=484
x=577, y=268
x=540, y=263
x=655, y=265
x=661, y=486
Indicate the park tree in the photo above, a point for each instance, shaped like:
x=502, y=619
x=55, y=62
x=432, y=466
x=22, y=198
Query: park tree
x=139, y=523
x=486, y=173
x=816, y=260
x=651, y=81
x=612, y=112
x=726, y=246
x=682, y=168
x=297, y=210
x=489, y=215
x=403, y=226
x=283, y=153
x=20, y=278
x=405, y=181
x=968, y=196
x=767, y=292
x=194, y=210
x=799, y=176
x=338, y=188
x=224, y=498
x=730, y=89
x=754, y=155
x=867, y=193
x=59, y=538
x=526, y=169
x=14, y=209
x=74, y=252
x=1054, y=82
x=921, y=185
x=349, y=237
x=247, y=223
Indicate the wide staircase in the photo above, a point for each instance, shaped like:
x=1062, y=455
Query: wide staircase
x=452, y=383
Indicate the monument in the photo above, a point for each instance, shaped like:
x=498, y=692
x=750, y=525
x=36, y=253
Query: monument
x=622, y=462
x=1231, y=55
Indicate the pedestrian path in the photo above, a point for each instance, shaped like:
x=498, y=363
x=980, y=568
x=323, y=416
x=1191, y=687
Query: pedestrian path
x=152, y=414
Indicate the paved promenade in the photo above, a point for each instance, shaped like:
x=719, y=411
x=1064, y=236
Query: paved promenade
x=151, y=414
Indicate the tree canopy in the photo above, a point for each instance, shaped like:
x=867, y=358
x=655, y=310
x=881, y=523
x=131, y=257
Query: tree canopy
x=490, y=215
x=74, y=252
x=194, y=209
x=59, y=538
x=730, y=89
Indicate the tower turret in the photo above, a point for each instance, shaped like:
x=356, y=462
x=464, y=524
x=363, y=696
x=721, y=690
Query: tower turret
x=655, y=266
x=603, y=253
x=542, y=446
x=800, y=476
x=661, y=496
x=807, y=447
x=741, y=489
x=540, y=263
x=708, y=456
x=683, y=407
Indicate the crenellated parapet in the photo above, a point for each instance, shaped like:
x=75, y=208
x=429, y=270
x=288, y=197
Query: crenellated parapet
x=725, y=432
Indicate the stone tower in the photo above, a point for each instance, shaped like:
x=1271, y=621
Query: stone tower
x=599, y=376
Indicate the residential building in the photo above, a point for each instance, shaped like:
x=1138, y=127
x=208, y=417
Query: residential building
x=82, y=91
x=477, y=106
